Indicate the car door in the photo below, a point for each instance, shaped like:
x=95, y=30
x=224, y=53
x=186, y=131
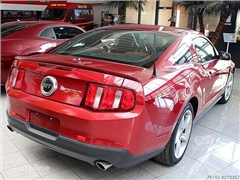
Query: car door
x=214, y=71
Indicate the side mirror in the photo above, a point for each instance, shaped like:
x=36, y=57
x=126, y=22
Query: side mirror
x=224, y=55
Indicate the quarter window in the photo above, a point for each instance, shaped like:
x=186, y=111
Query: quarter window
x=48, y=33
x=183, y=55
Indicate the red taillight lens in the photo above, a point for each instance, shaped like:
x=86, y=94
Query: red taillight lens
x=108, y=98
x=16, y=77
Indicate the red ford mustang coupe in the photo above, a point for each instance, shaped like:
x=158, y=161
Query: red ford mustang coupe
x=119, y=95
x=27, y=37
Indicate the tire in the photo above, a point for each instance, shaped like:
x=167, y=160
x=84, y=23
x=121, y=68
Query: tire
x=177, y=145
x=228, y=91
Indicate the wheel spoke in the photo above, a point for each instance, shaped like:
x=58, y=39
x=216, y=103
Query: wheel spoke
x=182, y=123
x=178, y=148
x=184, y=138
x=230, y=83
x=227, y=93
x=187, y=120
x=178, y=136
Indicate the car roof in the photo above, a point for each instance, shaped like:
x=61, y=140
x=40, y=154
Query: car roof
x=35, y=23
x=154, y=28
x=36, y=27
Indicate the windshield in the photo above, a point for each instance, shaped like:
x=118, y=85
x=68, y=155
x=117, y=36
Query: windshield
x=139, y=48
x=8, y=29
x=53, y=14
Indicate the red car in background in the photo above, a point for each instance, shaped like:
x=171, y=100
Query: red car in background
x=27, y=37
x=119, y=95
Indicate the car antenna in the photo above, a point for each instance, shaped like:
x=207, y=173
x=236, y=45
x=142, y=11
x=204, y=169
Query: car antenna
x=155, y=58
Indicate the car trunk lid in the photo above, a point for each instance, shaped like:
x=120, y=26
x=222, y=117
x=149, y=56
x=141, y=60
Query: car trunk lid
x=73, y=75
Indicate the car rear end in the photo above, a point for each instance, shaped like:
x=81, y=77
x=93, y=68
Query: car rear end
x=89, y=114
x=7, y=29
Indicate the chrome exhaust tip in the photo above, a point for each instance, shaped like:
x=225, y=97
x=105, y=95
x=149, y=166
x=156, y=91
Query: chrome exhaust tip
x=10, y=128
x=103, y=165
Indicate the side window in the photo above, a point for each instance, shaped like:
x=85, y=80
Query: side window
x=204, y=49
x=83, y=13
x=66, y=32
x=48, y=33
x=16, y=13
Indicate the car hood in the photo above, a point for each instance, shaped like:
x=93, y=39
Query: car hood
x=122, y=70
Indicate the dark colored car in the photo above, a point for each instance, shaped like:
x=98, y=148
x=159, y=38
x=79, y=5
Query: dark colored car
x=119, y=95
x=27, y=37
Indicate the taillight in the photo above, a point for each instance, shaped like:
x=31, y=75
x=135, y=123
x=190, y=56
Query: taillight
x=16, y=77
x=108, y=98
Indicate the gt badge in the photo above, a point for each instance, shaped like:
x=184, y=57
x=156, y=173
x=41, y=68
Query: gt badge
x=48, y=85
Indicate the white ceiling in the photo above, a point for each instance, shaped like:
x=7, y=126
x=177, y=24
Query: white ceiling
x=87, y=1
x=6, y=6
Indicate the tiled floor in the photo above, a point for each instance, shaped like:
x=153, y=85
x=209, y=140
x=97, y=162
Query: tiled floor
x=213, y=152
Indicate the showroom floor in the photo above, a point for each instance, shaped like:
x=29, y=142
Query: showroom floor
x=213, y=152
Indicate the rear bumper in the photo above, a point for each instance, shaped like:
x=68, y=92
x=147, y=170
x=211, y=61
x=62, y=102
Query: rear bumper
x=120, y=158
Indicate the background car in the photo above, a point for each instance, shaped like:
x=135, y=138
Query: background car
x=119, y=95
x=26, y=37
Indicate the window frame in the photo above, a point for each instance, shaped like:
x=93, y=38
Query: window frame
x=100, y=45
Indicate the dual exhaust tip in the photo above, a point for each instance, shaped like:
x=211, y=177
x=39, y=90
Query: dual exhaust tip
x=102, y=165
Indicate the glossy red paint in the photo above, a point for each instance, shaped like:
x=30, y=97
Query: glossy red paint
x=160, y=97
x=28, y=39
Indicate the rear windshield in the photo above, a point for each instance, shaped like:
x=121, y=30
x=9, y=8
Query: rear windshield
x=8, y=29
x=139, y=48
x=53, y=14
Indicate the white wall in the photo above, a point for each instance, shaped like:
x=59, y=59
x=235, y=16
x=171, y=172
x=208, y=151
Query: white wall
x=26, y=7
x=97, y=14
x=97, y=10
x=148, y=14
x=182, y=18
